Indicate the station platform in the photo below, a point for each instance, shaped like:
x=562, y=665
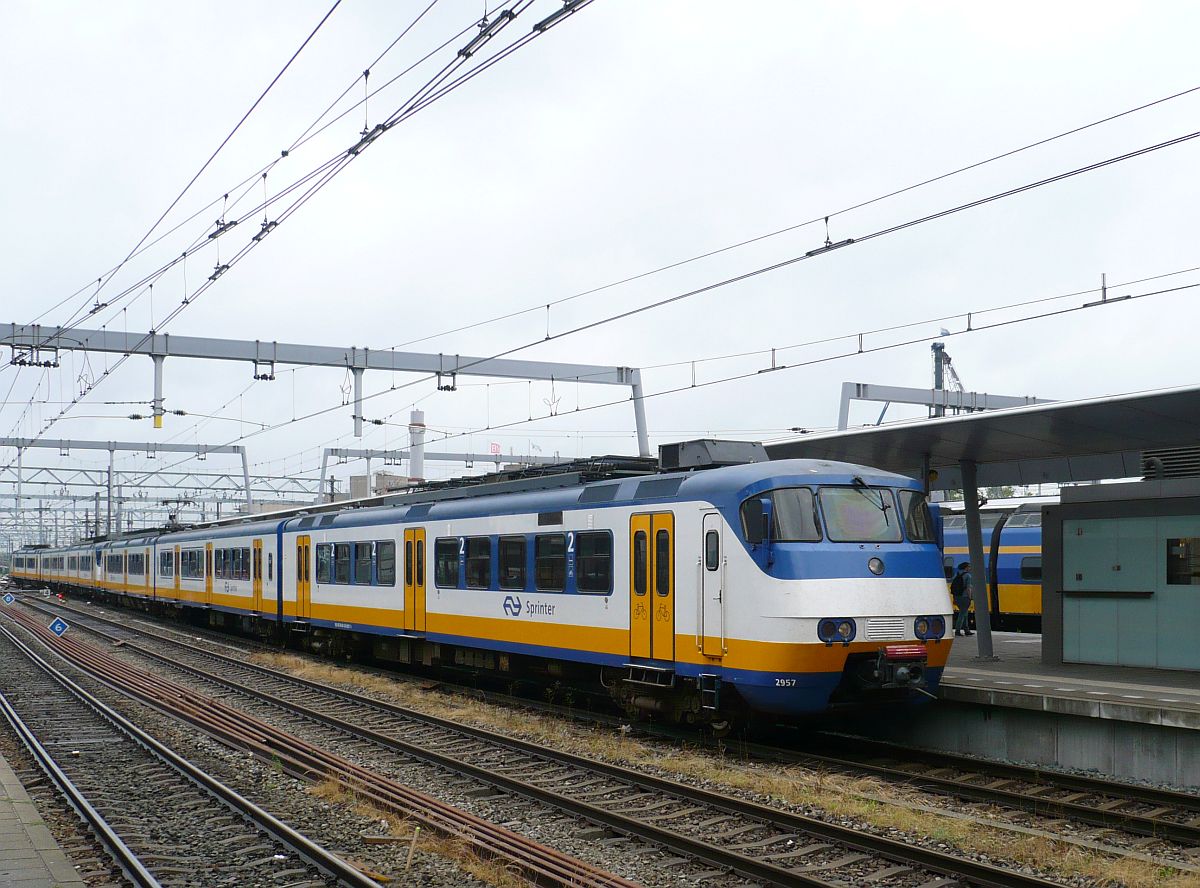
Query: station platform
x=1115, y=721
x=29, y=855
x=1018, y=679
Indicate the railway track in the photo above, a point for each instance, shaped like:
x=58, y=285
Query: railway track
x=729, y=835
x=536, y=863
x=1166, y=815
x=172, y=822
x=1163, y=814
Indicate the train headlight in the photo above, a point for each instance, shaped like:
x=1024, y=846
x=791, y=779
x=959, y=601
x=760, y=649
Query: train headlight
x=833, y=629
x=875, y=565
x=929, y=627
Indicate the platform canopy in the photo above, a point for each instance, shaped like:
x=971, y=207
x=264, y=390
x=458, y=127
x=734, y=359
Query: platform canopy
x=1094, y=439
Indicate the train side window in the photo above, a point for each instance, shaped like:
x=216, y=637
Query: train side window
x=270, y=565
x=420, y=562
x=324, y=562
x=795, y=515
x=550, y=562
x=639, y=563
x=917, y=521
x=385, y=556
x=712, y=550
x=662, y=563
x=479, y=562
x=362, y=563
x=512, y=562
x=219, y=563
x=1031, y=568
x=341, y=562
x=408, y=562
x=593, y=561
x=445, y=562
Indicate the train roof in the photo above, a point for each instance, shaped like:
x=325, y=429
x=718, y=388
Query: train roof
x=606, y=482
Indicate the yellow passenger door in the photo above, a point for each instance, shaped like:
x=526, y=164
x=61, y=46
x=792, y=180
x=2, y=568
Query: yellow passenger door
x=303, y=577
x=652, y=586
x=208, y=572
x=256, y=575
x=414, y=580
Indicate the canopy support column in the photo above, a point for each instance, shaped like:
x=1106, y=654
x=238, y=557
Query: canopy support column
x=983, y=618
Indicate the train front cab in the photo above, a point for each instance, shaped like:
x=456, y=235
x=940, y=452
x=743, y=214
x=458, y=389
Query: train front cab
x=849, y=575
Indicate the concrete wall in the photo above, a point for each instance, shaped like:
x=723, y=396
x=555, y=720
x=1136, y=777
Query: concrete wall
x=1128, y=750
x=1108, y=595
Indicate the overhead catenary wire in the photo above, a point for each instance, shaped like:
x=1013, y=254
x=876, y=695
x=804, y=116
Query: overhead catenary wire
x=799, y=225
x=759, y=373
x=442, y=83
x=872, y=235
x=785, y=263
x=245, y=184
x=858, y=336
x=218, y=150
x=826, y=217
x=323, y=172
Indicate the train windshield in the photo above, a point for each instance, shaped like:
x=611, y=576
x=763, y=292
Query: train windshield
x=794, y=511
x=860, y=514
x=917, y=522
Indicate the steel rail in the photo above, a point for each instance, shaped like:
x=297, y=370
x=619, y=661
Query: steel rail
x=540, y=864
x=1150, y=795
x=125, y=858
x=1187, y=833
x=304, y=847
x=978, y=873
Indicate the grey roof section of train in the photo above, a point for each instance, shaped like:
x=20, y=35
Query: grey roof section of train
x=1083, y=440
x=708, y=485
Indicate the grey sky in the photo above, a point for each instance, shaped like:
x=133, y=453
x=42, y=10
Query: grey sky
x=637, y=134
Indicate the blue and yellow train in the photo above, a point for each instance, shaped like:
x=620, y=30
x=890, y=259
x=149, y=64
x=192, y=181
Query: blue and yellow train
x=703, y=595
x=1012, y=553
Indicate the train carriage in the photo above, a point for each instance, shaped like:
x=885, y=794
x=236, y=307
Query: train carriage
x=1012, y=555
x=776, y=587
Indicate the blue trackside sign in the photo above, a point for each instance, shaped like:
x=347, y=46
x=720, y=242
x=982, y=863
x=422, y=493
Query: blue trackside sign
x=59, y=626
x=9, y=598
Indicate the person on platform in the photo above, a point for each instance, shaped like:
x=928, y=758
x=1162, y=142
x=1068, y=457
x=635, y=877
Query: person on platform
x=960, y=591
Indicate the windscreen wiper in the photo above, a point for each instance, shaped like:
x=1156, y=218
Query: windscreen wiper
x=861, y=486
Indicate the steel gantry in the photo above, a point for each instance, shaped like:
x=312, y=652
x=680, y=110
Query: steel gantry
x=31, y=341
x=64, y=447
x=59, y=478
